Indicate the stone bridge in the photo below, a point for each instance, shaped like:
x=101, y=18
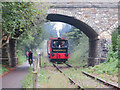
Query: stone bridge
x=95, y=19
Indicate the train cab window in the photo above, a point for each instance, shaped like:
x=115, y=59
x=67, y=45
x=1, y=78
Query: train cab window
x=60, y=44
x=63, y=44
x=55, y=44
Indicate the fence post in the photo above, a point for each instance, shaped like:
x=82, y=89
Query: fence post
x=39, y=60
x=35, y=75
x=34, y=65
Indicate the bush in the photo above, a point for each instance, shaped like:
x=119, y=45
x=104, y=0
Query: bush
x=21, y=57
x=2, y=69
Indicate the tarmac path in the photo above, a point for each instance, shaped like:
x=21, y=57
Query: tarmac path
x=13, y=79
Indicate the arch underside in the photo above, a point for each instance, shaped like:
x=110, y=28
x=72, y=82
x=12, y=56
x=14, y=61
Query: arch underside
x=86, y=29
x=74, y=22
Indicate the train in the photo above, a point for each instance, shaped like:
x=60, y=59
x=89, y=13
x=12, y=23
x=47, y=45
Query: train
x=57, y=50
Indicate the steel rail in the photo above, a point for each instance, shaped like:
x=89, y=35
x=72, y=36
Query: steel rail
x=68, y=65
x=71, y=81
x=100, y=80
x=97, y=79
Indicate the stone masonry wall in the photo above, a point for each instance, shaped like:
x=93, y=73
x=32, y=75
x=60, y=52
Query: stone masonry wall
x=101, y=17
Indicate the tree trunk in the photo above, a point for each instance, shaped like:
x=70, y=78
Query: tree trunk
x=8, y=51
x=12, y=52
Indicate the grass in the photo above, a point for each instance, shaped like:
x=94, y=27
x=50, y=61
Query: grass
x=81, y=79
x=48, y=77
x=107, y=71
x=45, y=62
x=2, y=69
x=53, y=79
x=28, y=80
x=108, y=68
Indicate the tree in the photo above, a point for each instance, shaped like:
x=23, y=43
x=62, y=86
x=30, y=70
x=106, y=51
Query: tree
x=18, y=17
x=114, y=40
x=73, y=37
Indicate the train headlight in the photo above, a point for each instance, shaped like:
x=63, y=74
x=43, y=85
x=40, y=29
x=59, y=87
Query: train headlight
x=66, y=54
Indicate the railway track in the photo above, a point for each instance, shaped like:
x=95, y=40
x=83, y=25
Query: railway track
x=68, y=65
x=71, y=81
x=88, y=75
x=97, y=79
x=101, y=81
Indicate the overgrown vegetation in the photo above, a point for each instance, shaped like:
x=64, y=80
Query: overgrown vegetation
x=2, y=69
x=22, y=21
x=111, y=65
x=28, y=80
x=21, y=57
x=82, y=79
x=32, y=39
x=78, y=47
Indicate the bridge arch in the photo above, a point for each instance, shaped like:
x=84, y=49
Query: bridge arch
x=90, y=33
x=74, y=22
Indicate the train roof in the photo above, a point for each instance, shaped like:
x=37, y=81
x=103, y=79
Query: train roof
x=57, y=38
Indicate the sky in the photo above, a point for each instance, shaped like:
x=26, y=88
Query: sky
x=57, y=28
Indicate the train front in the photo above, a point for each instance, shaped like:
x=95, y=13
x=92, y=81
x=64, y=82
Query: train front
x=59, y=50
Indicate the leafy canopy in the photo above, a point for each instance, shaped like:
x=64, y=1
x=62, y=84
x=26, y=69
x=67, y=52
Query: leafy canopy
x=17, y=17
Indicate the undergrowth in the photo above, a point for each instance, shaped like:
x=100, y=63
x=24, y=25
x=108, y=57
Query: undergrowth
x=79, y=55
x=21, y=57
x=28, y=80
x=110, y=66
x=2, y=69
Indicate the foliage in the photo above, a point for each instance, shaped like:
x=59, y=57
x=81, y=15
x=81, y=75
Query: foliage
x=73, y=37
x=112, y=56
x=28, y=80
x=78, y=47
x=79, y=55
x=42, y=76
x=21, y=57
x=17, y=17
x=2, y=69
x=107, y=70
x=33, y=41
x=115, y=40
x=27, y=17
x=111, y=65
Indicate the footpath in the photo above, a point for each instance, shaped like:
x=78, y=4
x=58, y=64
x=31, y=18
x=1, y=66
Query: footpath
x=13, y=79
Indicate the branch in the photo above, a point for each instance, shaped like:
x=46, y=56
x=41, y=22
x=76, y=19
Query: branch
x=8, y=38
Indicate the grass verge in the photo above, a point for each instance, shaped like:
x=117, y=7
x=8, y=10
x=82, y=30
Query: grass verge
x=2, y=69
x=107, y=71
x=28, y=80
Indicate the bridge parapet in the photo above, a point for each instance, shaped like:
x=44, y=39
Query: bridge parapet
x=84, y=4
x=100, y=19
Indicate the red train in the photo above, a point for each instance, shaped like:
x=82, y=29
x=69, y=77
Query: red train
x=57, y=49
